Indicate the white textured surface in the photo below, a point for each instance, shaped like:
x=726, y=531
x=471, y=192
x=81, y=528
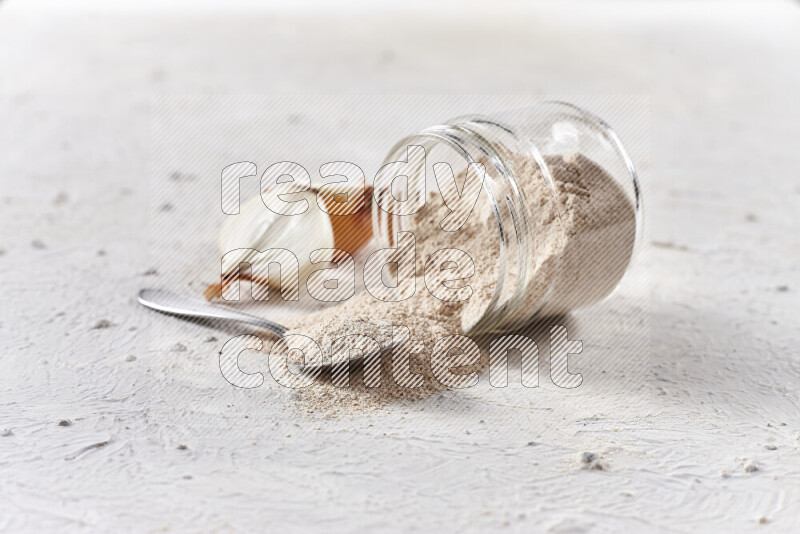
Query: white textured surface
x=723, y=203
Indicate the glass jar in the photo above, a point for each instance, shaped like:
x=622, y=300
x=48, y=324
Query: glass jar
x=564, y=202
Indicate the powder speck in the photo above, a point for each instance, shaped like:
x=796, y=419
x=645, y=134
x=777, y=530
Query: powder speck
x=60, y=199
x=749, y=466
x=591, y=462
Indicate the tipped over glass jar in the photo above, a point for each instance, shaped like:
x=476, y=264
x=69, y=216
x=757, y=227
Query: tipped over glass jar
x=553, y=226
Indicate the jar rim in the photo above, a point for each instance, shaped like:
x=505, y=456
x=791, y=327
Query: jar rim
x=472, y=145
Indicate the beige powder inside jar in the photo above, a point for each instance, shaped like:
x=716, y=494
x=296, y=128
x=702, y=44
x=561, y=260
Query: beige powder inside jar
x=583, y=244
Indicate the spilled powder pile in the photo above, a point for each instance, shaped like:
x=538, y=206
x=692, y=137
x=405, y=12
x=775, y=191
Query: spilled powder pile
x=583, y=242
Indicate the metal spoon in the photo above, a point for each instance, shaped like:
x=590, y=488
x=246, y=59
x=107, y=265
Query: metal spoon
x=173, y=304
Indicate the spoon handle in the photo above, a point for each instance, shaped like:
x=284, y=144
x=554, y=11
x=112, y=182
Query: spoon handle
x=174, y=304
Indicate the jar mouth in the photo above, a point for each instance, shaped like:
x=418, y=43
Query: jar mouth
x=500, y=188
